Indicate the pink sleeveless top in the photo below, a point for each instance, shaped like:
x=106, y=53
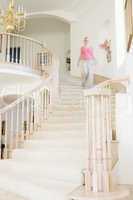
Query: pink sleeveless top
x=86, y=53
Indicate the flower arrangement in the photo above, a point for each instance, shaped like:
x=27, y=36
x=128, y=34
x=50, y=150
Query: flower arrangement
x=106, y=45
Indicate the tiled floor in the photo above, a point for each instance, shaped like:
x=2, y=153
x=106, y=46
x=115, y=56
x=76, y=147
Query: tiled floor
x=9, y=196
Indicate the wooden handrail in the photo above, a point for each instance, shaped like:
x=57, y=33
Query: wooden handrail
x=23, y=37
x=19, y=50
x=111, y=82
x=26, y=114
x=45, y=84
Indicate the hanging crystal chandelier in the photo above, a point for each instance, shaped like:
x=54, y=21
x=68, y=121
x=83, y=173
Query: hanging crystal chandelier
x=14, y=18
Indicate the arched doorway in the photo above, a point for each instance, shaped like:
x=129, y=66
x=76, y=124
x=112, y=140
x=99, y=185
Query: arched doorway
x=54, y=32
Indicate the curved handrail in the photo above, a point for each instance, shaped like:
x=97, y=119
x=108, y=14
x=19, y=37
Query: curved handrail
x=107, y=84
x=45, y=84
x=24, y=116
x=23, y=37
x=20, y=50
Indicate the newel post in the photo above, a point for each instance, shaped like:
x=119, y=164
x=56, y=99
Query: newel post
x=98, y=175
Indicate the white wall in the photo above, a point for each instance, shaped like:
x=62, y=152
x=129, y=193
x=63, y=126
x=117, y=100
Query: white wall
x=125, y=132
x=98, y=24
x=53, y=32
x=120, y=31
x=124, y=102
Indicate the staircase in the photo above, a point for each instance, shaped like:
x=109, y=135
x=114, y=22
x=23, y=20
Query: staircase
x=51, y=163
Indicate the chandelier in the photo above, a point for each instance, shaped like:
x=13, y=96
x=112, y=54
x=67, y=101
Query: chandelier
x=13, y=19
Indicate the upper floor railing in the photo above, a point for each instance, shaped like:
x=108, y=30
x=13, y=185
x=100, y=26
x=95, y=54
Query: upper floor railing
x=21, y=50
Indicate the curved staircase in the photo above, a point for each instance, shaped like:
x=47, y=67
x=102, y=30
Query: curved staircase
x=51, y=163
x=56, y=137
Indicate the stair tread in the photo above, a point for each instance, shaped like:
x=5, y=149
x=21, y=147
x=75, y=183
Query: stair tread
x=51, y=163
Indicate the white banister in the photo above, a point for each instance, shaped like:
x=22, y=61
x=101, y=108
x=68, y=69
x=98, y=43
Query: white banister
x=18, y=49
x=20, y=119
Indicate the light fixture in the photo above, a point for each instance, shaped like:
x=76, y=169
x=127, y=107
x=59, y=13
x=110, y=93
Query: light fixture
x=13, y=19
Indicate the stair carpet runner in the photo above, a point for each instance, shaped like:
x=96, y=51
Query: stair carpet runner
x=51, y=163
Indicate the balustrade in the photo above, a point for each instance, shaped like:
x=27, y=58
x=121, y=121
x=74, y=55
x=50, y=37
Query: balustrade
x=21, y=119
x=24, y=51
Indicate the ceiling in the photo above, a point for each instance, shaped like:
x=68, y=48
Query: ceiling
x=45, y=5
x=74, y=7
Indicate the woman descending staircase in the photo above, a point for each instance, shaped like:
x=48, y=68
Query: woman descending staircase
x=51, y=164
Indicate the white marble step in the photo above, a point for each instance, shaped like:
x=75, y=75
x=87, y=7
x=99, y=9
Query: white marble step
x=65, y=134
x=70, y=101
x=50, y=166
x=68, y=119
x=66, y=173
x=71, y=92
x=56, y=144
x=64, y=126
x=70, y=88
x=60, y=160
x=72, y=95
x=69, y=112
x=73, y=107
x=47, y=156
x=31, y=191
x=6, y=195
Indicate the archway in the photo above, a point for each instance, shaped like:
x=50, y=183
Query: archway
x=54, y=31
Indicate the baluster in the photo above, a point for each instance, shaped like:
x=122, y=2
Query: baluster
x=24, y=52
x=20, y=57
x=35, y=112
x=32, y=114
x=109, y=139
x=38, y=110
x=107, y=155
x=8, y=48
x=94, y=163
x=22, y=123
x=45, y=103
x=12, y=49
x=4, y=48
x=28, y=119
x=99, y=139
x=6, y=136
x=11, y=136
x=42, y=105
x=17, y=50
x=88, y=178
x=17, y=134
x=32, y=57
x=29, y=53
x=0, y=133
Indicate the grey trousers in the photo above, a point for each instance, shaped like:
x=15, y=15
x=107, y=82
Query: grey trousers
x=86, y=75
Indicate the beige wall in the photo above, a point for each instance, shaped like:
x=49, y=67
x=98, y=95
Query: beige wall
x=53, y=32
